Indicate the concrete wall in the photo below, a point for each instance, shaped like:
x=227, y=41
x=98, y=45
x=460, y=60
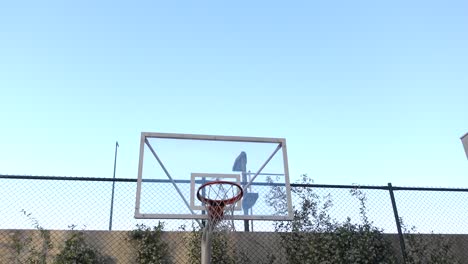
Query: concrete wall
x=116, y=244
x=257, y=246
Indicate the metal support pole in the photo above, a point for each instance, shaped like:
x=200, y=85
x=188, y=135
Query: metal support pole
x=398, y=224
x=113, y=186
x=203, y=212
x=206, y=245
x=246, y=211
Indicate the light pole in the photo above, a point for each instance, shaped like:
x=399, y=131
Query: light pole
x=113, y=186
x=464, y=140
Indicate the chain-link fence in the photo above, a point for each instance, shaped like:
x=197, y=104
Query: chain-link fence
x=76, y=220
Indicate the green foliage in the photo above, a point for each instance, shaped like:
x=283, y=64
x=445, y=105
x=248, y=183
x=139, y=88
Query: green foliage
x=221, y=250
x=20, y=245
x=427, y=248
x=76, y=250
x=148, y=243
x=193, y=244
x=314, y=237
x=28, y=252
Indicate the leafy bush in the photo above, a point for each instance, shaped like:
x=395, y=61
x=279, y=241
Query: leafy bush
x=25, y=248
x=150, y=247
x=76, y=250
x=314, y=237
x=427, y=248
x=222, y=251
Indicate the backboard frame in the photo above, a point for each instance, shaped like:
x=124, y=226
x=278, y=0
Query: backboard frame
x=144, y=140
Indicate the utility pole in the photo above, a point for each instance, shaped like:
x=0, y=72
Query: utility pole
x=113, y=186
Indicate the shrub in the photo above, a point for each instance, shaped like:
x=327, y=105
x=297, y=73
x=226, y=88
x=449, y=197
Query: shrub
x=149, y=246
x=26, y=250
x=221, y=249
x=314, y=237
x=76, y=250
x=427, y=248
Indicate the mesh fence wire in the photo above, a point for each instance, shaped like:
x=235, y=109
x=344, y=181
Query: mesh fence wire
x=68, y=220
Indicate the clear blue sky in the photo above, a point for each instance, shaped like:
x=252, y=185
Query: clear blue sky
x=365, y=92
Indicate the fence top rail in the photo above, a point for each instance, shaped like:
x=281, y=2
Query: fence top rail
x=369, y=187
x=338, y=186
x=295, y=185
x=65, y=178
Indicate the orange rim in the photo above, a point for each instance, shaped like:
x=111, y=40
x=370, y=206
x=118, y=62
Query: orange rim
x=221, y=202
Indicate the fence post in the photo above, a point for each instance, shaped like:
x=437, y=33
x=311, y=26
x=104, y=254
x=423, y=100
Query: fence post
x=113, y=187
x=397, y=221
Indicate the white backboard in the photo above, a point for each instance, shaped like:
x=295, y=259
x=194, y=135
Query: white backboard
x=173, y=166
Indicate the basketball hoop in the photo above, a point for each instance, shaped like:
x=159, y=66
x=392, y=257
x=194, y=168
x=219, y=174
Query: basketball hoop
x=220, y=198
